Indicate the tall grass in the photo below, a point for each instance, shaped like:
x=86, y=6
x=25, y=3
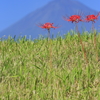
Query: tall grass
x=49, y=70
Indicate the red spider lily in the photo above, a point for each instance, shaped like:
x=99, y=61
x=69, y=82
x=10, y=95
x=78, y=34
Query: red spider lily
x=74, y=18
x=47, y=26
x=92, y=17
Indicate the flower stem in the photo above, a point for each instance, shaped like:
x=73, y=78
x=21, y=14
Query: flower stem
x=95, y=44
x=85, y=56
x=48, y=34
x=83, y=49
x=50, y=61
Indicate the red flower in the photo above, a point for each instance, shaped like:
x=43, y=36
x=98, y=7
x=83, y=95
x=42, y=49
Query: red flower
x=74, y=18
x=47, y=26
x=92, y=17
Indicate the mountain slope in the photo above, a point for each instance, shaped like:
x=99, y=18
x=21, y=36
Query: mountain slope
x=52, y=12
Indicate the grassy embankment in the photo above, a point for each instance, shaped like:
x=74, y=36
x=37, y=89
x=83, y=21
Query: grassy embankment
x=50, y=70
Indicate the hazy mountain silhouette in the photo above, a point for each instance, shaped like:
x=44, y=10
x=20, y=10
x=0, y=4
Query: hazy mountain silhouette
x=52, y=12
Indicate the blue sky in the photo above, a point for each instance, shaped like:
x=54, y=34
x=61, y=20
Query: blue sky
x=13, y=10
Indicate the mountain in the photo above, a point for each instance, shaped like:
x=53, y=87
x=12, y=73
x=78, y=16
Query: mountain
x=52, y=12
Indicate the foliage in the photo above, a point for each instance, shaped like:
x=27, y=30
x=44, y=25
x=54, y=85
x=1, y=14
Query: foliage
x=52, y=69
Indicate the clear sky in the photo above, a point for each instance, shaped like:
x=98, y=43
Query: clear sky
x=13, y=10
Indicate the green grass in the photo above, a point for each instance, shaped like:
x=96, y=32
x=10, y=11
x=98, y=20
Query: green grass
x=50, y=70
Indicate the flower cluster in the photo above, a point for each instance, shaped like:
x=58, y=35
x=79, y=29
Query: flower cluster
x=77, y=18
x=73, y=19
x=47, y=26
x=92, y=18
